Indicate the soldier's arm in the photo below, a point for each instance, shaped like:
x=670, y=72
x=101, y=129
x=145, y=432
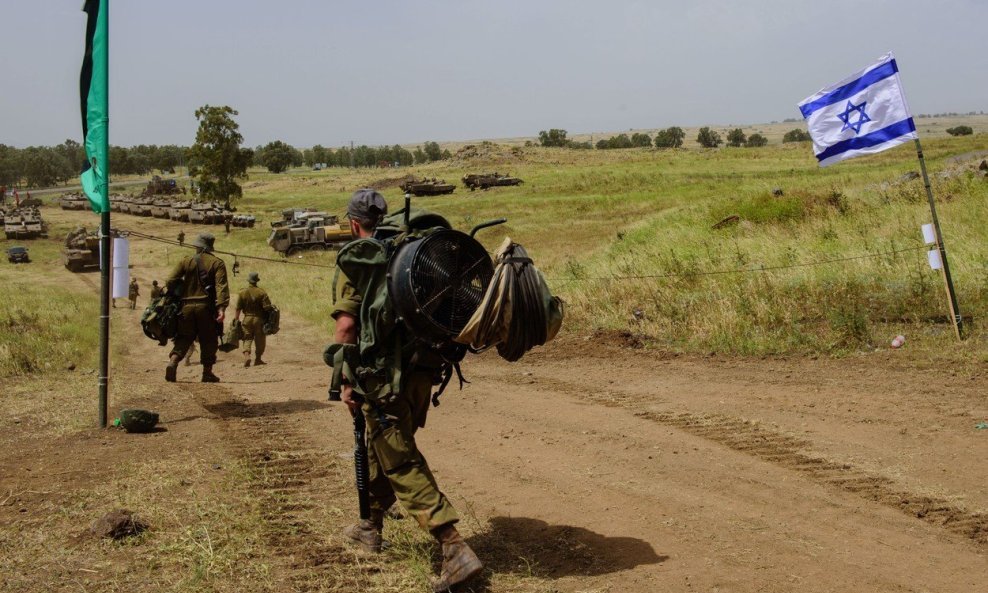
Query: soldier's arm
x=222, y=288
x=266, y=302
x=240, y=299
x=175, y=278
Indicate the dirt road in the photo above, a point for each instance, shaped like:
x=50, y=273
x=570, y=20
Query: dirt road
x=590, y=466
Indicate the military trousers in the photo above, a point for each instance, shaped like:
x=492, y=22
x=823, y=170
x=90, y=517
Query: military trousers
x=253, y=334
x=197, y=322
x=398, y=470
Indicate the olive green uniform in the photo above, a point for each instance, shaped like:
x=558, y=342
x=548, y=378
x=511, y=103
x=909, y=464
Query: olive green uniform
x=132, y=293
x=198, y=317
x=254, y=303
x=397, y=469
x=156, y=292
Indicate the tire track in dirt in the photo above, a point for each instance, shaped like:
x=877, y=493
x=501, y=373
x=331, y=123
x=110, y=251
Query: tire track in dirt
x=289, y=476
x=795, y=454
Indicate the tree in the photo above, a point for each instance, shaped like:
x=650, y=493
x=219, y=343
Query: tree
x=44, y=167
x=708, y=138
x=11, y=165
x=960, y=131
x=670, y=138
x=216, y=158
x=419, y=156
x=736, y=137
x=554, y=137
x=432, y=151
x=277, y=156
x=796, y=135
x=641, y=140
x=756, y=140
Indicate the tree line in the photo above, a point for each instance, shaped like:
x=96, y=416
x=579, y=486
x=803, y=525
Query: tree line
x=43, y=166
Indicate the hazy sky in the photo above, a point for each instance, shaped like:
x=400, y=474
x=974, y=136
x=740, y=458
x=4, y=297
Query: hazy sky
x=328, y=71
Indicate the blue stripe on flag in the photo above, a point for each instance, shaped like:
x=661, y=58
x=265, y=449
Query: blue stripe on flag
x=887, y=133
x=850, y=89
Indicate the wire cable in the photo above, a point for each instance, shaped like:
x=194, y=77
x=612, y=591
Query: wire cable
x=173, y=242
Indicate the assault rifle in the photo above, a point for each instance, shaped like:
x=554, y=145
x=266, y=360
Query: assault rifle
x=334, y=357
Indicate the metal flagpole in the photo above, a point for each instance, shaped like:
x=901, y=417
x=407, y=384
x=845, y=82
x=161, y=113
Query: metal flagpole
x=955, y=314
x=105, y=271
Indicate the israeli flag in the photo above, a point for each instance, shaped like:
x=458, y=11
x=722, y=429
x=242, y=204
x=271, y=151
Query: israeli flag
x=865, y=113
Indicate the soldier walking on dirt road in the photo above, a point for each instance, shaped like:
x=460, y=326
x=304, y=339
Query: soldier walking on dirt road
x=200, y=280
x=254, y=303
x=398, y=470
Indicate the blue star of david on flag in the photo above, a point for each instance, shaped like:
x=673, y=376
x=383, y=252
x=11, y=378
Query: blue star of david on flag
x=835, y=109
x=846, y=117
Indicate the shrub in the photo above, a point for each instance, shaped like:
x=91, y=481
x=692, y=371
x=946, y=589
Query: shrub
x=756, y=140
x=670, y=138
x=796, y=135
x=708, y=138
x=736, y=138
x=960, y=131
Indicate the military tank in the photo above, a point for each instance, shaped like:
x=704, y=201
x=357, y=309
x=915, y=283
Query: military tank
x=81, y=251
x=24, y=223
x=489, y=180
x=427, y=187
x=141, y=207
x=160, y=208
x=202, y=213
x=179, y=211
x=74, y=202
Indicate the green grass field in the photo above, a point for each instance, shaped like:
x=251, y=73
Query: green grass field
x=591, y=216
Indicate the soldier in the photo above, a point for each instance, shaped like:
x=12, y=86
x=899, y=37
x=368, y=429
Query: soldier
x=133, y=291
x=156, y=291
x=397, y=469
x=254, y=303
x=200, y=281
x=226, y=223
x=236, y=267
x=181, y=237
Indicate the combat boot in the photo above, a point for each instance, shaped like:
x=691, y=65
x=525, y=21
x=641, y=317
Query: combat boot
x=246, y=360
x=460, y=564
x=208, y=376
x=258, y=362
x=366, y=533
x=171, y=371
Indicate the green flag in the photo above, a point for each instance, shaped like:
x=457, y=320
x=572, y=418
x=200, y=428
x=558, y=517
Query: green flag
x=94, y=93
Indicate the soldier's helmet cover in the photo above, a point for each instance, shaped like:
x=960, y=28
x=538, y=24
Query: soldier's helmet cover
x=253, y=278
x=205, y=241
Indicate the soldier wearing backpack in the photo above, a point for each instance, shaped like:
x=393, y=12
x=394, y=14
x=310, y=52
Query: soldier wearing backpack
x=200, y=282
x=397, y=469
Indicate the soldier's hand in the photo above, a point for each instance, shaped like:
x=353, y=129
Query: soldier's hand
x=346, y=396
x=221, y=315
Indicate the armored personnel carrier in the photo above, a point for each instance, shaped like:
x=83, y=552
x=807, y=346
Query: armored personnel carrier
x=489, y=180
x=427, y=187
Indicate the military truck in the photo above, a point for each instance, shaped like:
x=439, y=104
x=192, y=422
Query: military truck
x=74, y=202
x=290, y=216
x=315, y=230
x=427, y=187
x=81, y=251
x=162, y=187
x=489, y=180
